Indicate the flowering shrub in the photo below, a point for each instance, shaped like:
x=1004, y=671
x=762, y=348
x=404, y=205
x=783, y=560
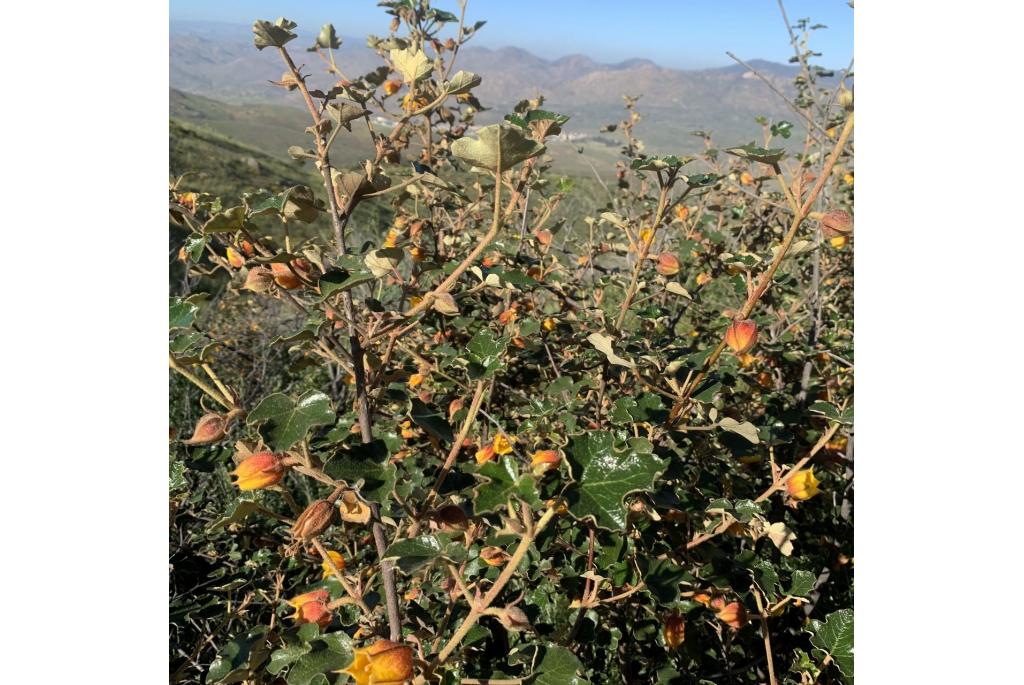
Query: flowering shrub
x=498, y=447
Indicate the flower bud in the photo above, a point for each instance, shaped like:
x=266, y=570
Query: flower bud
x=209, y=429
x=259, y=471
x=836, y=222
x=392, y=86
x=317, y=518
x=674, y=630
x=338, y=560
x=741, y=336
x=260, y=279
x=668, y=264
x=733, y=615
x=543, y=461
x=514, y=619
x=803, y=485
x=382, y=663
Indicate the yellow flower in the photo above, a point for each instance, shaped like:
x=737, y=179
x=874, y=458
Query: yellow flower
x=502, y=444
x=646, y=235
x=382, y=663
x=839, y=242
x=259, y=471
x=338, y=560
x=234, y=259
x=549, y=325
x=831, y=133
x=803, y=485
x=848, y=179
x=746, y=360
x=391, y=239
x=703, y=278
x=415, y=379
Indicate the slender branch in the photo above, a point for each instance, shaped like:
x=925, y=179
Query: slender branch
x=199, y=382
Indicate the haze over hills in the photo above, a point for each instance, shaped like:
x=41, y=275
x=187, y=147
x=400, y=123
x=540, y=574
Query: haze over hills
x=219, y=61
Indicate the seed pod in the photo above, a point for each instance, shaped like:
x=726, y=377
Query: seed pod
x=741, y=336
x=209, y=429
x=836, y=223
x=514, y=619
x=260, y=279
x=317, y=518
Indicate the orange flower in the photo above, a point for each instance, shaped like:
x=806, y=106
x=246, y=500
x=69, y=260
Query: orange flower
x=311, y=607
x=682, y=212
x=391, y=239
x=543, y=461
x=733, y=615
x=506, y=317
x=234, y=259
x=392, y=86
x=741, y=336
x=803, y=485
x=703, y=278
x=543, y=237
x=284, y=276
x=668, y=265
x=259, y=471
x=746, y=179
x=338, y=560
x=746, y=360
x=382, y=663
x=674, y=630
x=415, y=379
x=485, y=454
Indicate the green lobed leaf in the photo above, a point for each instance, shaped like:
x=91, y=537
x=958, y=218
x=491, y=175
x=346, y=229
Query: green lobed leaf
x=239, y=658
x=287, y=421
x=276, y=34
x=503, y=481
x=558, y=666
x=483, y=150
x=608, y=470
x=431, y=420
x=369, y=463
x=801, y=584
x=835, y=637
x=757, y=154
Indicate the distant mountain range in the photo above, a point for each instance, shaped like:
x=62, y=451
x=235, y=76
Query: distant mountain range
x=219, y=61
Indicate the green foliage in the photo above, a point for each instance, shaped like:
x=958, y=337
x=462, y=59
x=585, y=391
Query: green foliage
x=552, y=487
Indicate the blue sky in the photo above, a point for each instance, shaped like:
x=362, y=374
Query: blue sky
x=682, y=34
